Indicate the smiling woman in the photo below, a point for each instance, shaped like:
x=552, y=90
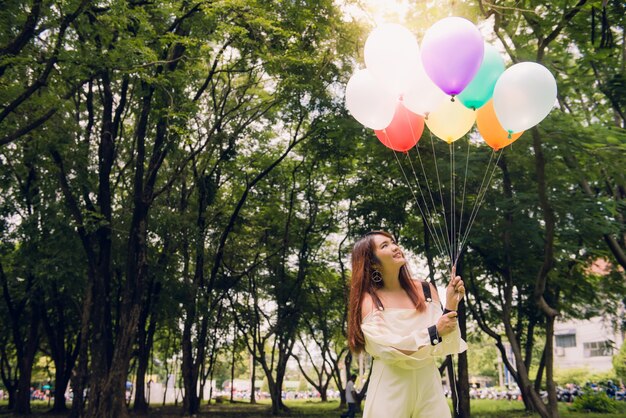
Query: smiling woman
x=400, y=323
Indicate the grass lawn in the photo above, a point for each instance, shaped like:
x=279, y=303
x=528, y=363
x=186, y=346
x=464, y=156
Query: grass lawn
x=315, y=409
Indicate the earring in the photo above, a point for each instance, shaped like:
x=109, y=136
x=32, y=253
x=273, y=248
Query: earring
x=376, y=276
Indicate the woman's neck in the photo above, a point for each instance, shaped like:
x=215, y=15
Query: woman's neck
x=391, y=280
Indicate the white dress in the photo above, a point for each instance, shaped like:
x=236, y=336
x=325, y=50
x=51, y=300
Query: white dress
x=401, y=385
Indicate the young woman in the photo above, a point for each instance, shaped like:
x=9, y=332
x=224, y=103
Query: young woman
x=400, y=323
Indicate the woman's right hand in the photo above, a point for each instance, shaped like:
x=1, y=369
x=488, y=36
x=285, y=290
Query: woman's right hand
x=447, y=323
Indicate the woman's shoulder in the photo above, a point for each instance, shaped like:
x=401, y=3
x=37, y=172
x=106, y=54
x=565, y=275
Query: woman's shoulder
x=367, y=305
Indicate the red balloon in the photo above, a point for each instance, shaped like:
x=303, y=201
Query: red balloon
x=404, y=130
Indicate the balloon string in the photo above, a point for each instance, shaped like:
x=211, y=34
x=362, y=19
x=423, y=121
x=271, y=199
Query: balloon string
x=480, y=190
x=484, y=194
x=455, y=243
x=434, y=206
x=430, y=219
x=452, y=203
x=425, y=178
x=481, y=198
x=437, y=244
x=463, y=198
x=450, y=151
x=431, y=216
x=474, y=206
x=440, y=193
x=454, y=208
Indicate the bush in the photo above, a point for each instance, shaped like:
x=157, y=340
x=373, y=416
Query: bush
x=595, y=402
x=582, y=375
x=619, y=363
x=578, y=376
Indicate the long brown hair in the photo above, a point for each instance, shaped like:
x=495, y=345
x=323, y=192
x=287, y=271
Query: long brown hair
x=361, y=282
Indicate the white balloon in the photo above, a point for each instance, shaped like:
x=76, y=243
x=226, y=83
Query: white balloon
x=423, y=96
x=392, y=55
x=523, y=96
x=369, y=101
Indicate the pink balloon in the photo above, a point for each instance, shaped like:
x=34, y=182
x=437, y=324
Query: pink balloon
x=452, y=51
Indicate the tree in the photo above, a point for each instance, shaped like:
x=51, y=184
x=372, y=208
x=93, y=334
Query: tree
x=321, y=330
x=619, y=363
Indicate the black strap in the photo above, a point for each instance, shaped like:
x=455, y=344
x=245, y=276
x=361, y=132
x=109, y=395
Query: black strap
x=434, y=335
x=435, y=338
x=427, y=294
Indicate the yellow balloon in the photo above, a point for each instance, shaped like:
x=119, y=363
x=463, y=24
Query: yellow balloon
x=451, y=120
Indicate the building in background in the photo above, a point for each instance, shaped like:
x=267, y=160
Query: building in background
x=589, y=343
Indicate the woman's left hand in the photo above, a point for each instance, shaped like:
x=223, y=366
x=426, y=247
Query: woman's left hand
x=455, y=291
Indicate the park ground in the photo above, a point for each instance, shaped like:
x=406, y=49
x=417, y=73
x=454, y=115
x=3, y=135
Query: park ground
x=315, y=409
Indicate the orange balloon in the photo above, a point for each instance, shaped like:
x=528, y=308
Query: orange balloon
x=491, y=130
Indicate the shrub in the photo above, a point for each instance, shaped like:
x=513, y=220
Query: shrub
x=578, y=376
x=595, y=402
x=582, y=375
x=619, y=363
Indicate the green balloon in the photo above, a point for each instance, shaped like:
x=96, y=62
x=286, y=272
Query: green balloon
x=480, y=90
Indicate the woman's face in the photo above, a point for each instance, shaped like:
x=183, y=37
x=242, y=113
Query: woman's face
x=388, y=253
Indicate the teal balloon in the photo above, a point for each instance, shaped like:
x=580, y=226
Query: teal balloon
x=480, y=90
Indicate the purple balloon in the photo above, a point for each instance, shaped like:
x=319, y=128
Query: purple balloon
x=452, y=51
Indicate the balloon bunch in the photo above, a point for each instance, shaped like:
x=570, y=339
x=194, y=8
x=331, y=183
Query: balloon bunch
x=452, y=81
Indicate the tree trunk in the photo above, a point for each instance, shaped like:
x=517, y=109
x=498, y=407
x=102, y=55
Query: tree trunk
x=546, y=267
x=523, y=379
x=61, y=379
x=280, y=377
x=99, y=401
x=25, y=361
x=550, y=386
x=461, y=389
x=190, y=378
x=63, y=356
x=79, y=375
x=542, y=366
x=12, y=398
x=145, y=343
x=454, y=395
x=111, y=401
x=275, y=395
x=275, y=384
x=141, y=405
x=191, y=364
x=323, y=394
x=463, y=372
x=22, y=400
x=232, y=366
x=252, y=377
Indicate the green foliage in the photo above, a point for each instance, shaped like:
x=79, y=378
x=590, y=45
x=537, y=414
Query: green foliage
x=595, y=402
x=581, y=376
x=226, y=87
x=619, y=363
x=482, y=357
